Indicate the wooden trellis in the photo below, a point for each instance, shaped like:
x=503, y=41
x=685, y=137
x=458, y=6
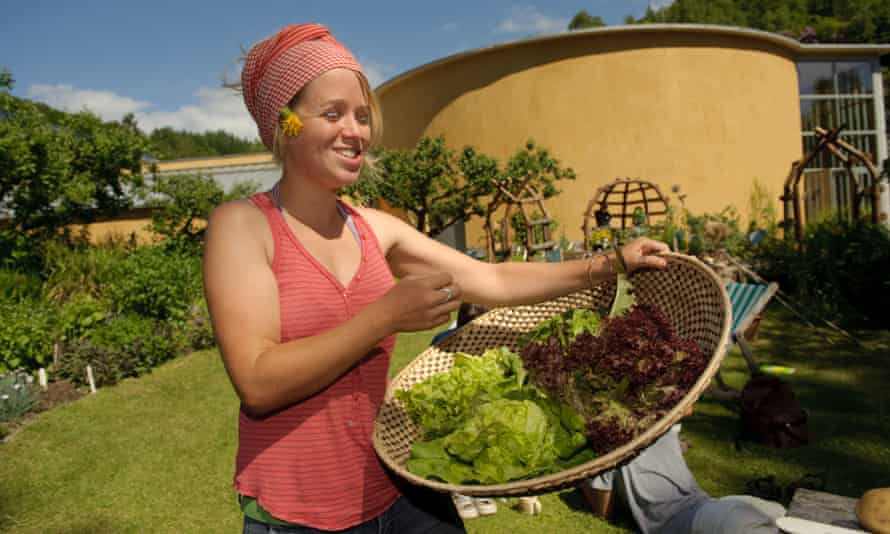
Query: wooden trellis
x=619, y=200
x=537, y=230
x=830, y=140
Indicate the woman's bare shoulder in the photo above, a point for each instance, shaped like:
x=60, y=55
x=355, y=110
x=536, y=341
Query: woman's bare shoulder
x=235, y=213
x=239, y=223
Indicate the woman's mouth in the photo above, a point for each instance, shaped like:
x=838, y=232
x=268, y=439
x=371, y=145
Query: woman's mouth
x=348, y=152
x=351, y=157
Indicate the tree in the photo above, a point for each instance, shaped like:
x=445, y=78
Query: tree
x=530, y=166
x=167, y=143
x=583, y=19
x=436, y=188
x=428, y=183
x=860, y=21
x=6, y=80
x=181, y=203
x=56, y=172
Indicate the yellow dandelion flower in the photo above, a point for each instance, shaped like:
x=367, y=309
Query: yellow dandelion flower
x=290, y=123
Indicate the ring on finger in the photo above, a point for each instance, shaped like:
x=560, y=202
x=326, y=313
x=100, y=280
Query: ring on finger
x=449, y=293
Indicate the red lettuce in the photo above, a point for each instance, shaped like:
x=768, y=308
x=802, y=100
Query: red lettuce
x=622, y=378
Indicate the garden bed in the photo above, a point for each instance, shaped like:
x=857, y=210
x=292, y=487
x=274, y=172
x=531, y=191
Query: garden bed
x=57, y=393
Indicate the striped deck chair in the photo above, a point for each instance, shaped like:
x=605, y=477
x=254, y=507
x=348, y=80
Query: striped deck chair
x=746, y=301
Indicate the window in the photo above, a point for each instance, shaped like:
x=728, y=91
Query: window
x=834, y=77
x=834, y=94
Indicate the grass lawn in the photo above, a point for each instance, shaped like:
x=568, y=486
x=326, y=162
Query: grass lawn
x=156, y=454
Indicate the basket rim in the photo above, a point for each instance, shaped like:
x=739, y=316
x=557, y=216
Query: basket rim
x=546, y=483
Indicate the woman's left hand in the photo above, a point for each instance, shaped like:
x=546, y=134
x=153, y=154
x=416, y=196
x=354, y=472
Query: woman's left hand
x=643, y=253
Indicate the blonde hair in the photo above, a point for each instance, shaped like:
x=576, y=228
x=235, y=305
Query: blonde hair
x=278, y=145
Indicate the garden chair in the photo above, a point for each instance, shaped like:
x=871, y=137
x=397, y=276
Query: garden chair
x=747, y=302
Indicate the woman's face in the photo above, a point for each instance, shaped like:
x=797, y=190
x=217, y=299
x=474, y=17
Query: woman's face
x=336, y=130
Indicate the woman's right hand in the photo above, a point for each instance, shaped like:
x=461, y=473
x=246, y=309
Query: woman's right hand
x=420, y=302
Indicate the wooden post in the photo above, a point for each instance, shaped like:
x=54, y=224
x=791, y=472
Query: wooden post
x=41, y=378
x=56, y=353
x=90, y=379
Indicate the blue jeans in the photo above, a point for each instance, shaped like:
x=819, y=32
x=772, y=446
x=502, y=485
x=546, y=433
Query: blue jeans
x=423, y=513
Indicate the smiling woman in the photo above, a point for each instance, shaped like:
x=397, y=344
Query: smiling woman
x=304, y=306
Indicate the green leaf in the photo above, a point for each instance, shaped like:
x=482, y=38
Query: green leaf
x=624, y=297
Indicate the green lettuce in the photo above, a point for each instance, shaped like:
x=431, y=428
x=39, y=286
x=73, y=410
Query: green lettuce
x=564, y=326
x=444, y=401
x=482, y=423
x=505, y=440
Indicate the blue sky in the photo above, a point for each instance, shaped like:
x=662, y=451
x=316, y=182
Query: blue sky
x=164, y=60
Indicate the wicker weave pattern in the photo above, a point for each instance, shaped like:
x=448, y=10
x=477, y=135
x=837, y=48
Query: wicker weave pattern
x=687, y=291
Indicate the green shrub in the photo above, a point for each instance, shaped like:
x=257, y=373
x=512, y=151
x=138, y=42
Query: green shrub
x=840, y=272
x=709, y=232
x=155, y=281
x=17, y=251
x=18, y=286
x=17, y=395
x=78, y=317
x=198, y=330
x=124, y=346
x=72, y=271
x=109, y=364
x=762, y=212
x=25, y=334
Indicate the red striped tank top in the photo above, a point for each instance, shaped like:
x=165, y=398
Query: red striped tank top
x=313, y=463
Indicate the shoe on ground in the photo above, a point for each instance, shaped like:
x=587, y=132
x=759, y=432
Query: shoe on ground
x=529, y=505
x=485, y=505
x=465, y=506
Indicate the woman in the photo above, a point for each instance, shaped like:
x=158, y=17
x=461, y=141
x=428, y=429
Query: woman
x=303, y=303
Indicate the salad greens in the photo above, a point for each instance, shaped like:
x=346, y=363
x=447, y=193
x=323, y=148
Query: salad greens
x=483, y=423
x=444, y=401
x=563, y=327
x=581, y=385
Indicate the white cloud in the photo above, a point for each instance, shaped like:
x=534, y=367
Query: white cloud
x=217, y=109
x=108, y=105
x=527, y=19
x=658, y=4
x=377, y=73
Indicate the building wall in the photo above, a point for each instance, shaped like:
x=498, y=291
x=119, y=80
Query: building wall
x=705, y=111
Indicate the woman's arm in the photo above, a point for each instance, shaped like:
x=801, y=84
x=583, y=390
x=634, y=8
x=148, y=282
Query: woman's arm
x=508, y=283
x=242, y=296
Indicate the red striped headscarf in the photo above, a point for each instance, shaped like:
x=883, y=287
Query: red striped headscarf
x=279, y=66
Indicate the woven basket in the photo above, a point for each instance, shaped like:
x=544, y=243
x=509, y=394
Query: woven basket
x=688, y=292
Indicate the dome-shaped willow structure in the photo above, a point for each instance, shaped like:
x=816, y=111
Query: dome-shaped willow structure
x=534, y=217
x=624, y=199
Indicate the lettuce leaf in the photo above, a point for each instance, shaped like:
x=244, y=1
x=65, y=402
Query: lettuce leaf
x=482, y=423
x=444, y=401
x=565, y=327
x=504, y=440
x=624, y=296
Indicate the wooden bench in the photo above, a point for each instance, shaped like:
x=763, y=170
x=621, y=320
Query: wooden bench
x=825, y=508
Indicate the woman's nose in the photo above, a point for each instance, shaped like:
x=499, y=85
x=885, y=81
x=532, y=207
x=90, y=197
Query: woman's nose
x=351, y=126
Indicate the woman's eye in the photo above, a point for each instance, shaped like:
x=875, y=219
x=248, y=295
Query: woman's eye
x=363, y=119
x=332, y=115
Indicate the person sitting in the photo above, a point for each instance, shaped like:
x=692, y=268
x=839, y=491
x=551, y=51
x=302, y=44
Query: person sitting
x=663, y=497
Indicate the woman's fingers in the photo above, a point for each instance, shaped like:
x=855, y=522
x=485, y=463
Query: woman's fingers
x=422, y=302
x=644, y=253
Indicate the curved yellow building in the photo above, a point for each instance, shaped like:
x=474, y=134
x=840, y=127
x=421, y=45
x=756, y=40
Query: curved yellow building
x=706, y=108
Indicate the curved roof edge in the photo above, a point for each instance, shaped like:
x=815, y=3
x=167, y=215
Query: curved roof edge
x=797, y=47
